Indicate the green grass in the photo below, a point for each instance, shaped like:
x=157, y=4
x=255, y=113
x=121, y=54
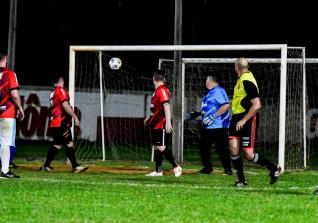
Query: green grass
x=107, y=197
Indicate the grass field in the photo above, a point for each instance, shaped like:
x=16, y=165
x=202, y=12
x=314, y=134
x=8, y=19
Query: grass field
x=119, y=192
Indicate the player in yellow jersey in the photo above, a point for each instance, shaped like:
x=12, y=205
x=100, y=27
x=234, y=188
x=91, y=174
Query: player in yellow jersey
x=245, y=105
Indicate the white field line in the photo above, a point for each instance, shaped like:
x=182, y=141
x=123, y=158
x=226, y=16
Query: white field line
x=158, y=185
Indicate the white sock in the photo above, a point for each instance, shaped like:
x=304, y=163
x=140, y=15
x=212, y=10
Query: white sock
x=5, y=158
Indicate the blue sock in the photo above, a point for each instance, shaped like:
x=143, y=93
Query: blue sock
x=12, y=153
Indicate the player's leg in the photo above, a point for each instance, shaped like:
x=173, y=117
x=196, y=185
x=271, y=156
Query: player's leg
x=53, y=150
x=221, y=143
x=70, y=152
x=237, y=161
x=7, y=139
x=156, y=139
x=205, y=151
x=177, y=170
x=248, y=142
x=12, y=153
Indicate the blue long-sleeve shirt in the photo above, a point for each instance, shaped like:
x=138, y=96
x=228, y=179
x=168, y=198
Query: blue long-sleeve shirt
x=211, y=102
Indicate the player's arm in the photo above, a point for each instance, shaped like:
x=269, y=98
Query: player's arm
x=167, y=110
x=252, y=94
x=70, y=111
x=223, y=101
x=17, y=100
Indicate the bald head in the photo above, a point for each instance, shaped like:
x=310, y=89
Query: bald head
x=241, y=65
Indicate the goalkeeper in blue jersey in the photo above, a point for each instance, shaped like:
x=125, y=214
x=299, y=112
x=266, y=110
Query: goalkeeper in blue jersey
x=215, y=123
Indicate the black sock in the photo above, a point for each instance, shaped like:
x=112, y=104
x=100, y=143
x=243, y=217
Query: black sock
x=261, y=160
x=70, y=153
x=50, y=156
x=238, y=165
x=158, y=159
x=168, y=155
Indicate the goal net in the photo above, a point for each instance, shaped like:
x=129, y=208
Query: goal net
x=122, y=98
x=267, y=73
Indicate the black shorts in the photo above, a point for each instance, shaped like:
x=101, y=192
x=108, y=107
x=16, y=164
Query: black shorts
x=159, y=137
x=61, y=136
x=246, y=135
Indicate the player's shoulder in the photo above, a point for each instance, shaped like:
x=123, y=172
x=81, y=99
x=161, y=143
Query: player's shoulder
x=60, y=90
x=6, y=71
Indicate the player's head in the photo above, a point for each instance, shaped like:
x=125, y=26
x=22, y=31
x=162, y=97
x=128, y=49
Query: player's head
x=158, y=77
x=211, y=82
x=241, y=65
x=58, y=80
x=3, y=59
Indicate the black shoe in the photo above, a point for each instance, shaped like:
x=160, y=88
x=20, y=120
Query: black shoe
x=228, y=172
x=46, y=168
x=274, y=174
x=240, y=184
x=8, y=175
x=316, y=192
x=205, y=171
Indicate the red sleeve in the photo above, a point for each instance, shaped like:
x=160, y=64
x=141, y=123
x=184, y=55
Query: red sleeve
x=13, y=81
x=163, y=95
x=61, y=95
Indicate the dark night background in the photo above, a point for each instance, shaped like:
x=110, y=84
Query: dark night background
x=45, y=29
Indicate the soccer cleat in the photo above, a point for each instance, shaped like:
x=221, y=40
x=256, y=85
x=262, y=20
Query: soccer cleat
x=228, y=172
x=316, y=192
x=177, y=171
x=79, y=169
x=8, y=175
x=155, y=174
x=240, y=184
x=274, y=174
x=46, y=168
x=205, y=171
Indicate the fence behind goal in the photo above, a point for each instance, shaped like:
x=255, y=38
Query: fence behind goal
x=126, y=97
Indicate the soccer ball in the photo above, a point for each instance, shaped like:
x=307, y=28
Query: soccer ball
x=115, y=63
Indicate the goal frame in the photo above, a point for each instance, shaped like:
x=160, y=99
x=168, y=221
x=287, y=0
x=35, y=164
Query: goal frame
x=175, y=48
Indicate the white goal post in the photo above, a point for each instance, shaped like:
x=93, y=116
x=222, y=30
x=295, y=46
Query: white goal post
x=282, y=48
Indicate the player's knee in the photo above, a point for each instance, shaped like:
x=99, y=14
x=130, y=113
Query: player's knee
x=70, y=144
x=58, y=146
x=160, y=148
x=249, y=156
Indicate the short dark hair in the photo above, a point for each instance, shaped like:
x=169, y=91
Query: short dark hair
x=159, y=75
x=57, y=78
x=2, y=55
x=212, y=78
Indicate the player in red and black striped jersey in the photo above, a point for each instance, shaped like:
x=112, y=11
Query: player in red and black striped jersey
x=60, y=124
x=160, y=123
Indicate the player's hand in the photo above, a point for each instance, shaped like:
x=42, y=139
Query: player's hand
x=76, y=121
x=169, y=128
x=146, y=122
x=20, y=114
x=208, y=120
x=240, y=124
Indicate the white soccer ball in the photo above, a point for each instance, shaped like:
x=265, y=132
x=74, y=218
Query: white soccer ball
x=115, y=63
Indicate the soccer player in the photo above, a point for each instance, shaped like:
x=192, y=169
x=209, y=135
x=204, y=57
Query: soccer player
x=10, y=109
x=215, y=124
x=60, y=124
x=160, y=123
x=245, y=105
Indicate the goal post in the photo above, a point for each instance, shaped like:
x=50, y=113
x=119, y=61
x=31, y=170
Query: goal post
x=281, y=48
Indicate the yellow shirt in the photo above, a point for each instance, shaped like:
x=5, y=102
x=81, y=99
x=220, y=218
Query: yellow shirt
x=240, y=93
